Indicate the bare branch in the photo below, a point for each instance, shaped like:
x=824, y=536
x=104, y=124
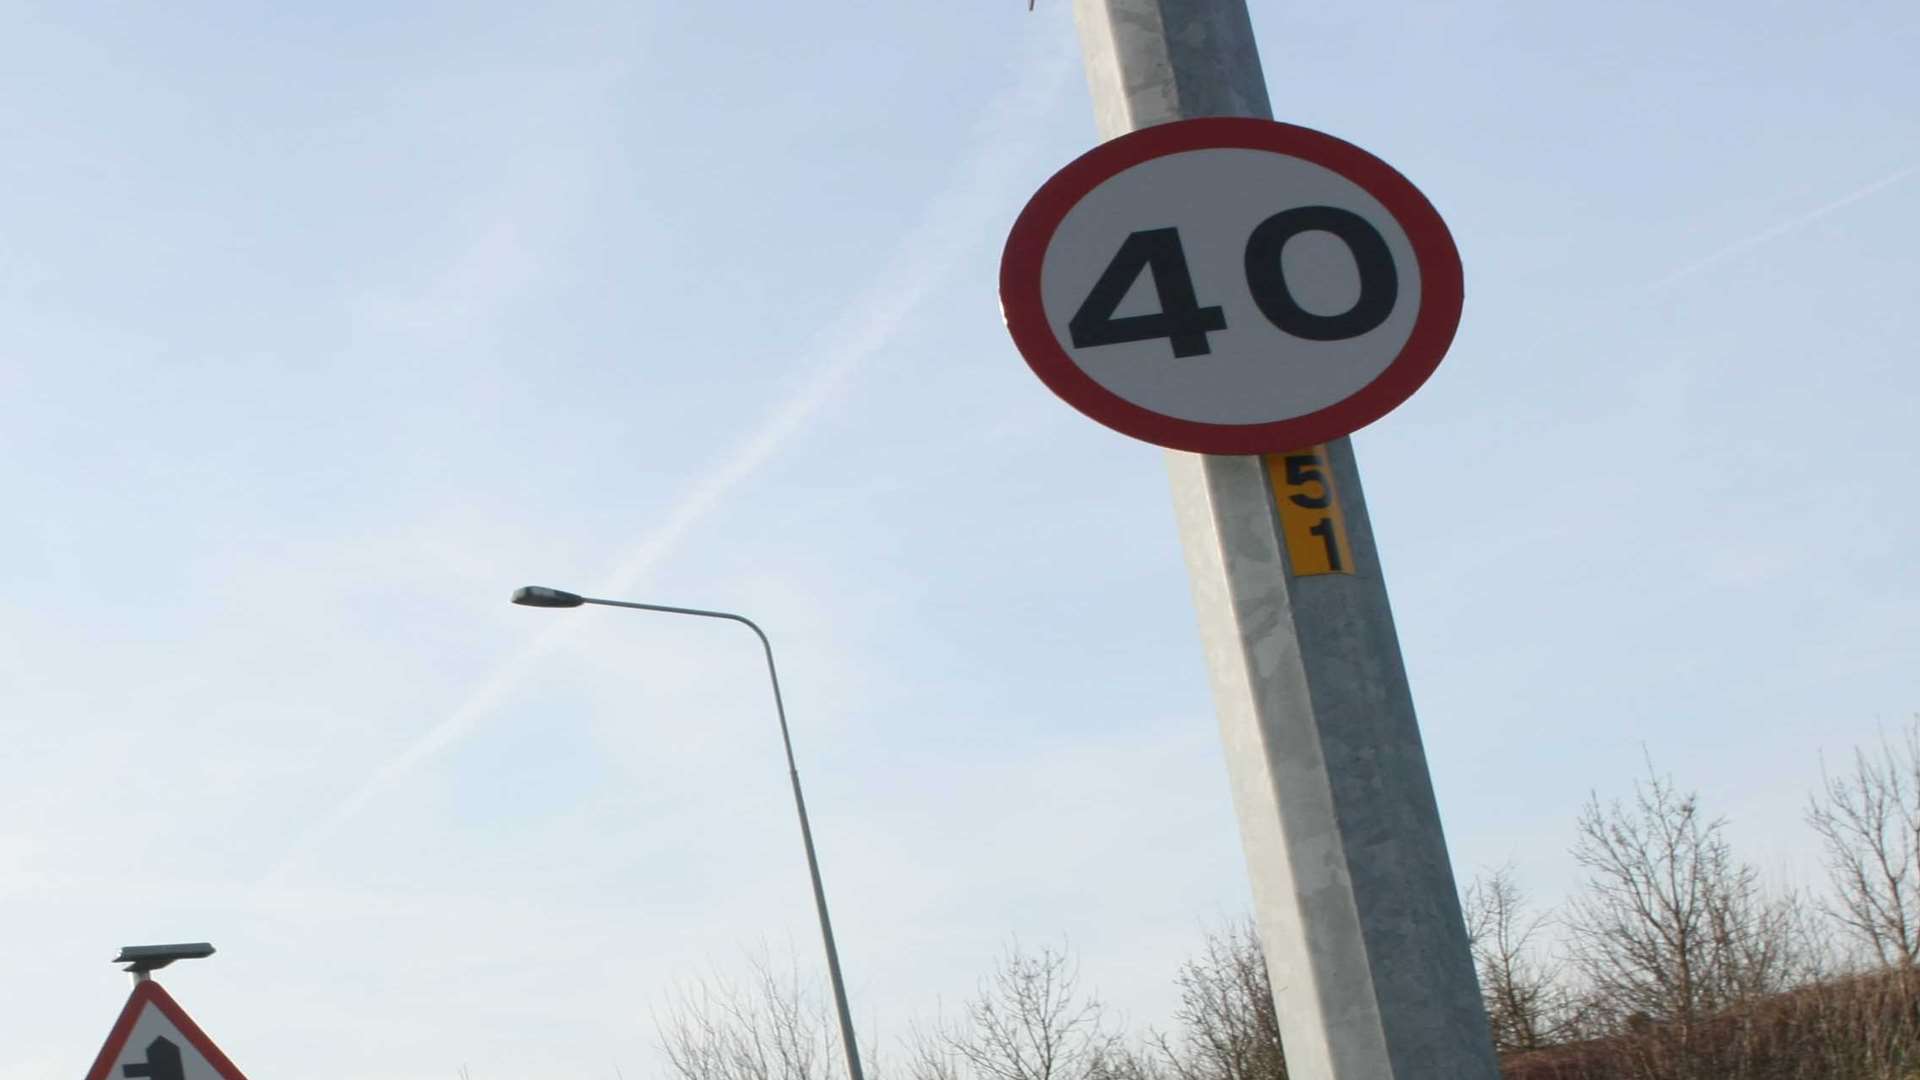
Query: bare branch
x=1869, y=823
x=771, y=1028
x=1229, y=1028
x=1527, y=1003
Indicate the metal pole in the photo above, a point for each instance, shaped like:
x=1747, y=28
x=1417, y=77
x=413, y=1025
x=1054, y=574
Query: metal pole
x=1353, y=892
x=799, y=804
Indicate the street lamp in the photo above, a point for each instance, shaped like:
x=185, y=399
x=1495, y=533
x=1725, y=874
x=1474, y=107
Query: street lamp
x=540, y=596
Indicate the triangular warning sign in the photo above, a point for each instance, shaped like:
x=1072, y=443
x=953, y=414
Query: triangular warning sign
x=155, y=1039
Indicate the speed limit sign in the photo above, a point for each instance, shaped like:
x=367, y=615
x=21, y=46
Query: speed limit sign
x=1231, y=286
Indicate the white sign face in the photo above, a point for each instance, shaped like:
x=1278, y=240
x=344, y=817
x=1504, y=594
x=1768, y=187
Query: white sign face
x=1231, y=286
x=154, y=1039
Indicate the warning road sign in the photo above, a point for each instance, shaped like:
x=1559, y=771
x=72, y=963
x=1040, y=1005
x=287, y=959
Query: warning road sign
x=1231, y=286
x=155, y=1039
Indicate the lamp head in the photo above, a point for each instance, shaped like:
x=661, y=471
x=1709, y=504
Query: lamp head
x=541, y=596
x=141, y=959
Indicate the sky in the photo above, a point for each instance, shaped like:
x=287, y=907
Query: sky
x=323, y=327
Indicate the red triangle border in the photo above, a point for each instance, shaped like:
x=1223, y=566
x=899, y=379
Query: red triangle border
x=146, y=993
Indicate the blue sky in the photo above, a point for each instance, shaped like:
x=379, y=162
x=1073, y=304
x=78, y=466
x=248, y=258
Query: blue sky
x=321, y=330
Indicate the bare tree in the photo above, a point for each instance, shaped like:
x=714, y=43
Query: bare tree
x=1671, y=926
x=770, y=1028
x=1029, y=1021
x=1869, y=823
x=1527, y=1003
x=1229, y=1028
x=1672, y=931
x=931, y=1056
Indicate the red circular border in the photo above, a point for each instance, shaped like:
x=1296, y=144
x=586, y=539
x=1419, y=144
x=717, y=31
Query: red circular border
x=1441, y=285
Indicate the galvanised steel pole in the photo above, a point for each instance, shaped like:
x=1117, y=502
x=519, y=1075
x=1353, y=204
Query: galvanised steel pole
x=1354, y=895
x=535, y=596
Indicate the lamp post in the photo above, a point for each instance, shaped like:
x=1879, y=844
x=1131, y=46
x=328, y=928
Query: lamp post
x=540, y=596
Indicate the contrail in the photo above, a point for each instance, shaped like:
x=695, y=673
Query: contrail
x=1785, y=227
x=954, y=221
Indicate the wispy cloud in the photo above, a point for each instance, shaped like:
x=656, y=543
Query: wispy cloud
x=955, y=220
x=1774, y=232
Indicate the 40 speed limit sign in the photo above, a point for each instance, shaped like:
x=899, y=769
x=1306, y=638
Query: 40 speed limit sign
x=1231, y=286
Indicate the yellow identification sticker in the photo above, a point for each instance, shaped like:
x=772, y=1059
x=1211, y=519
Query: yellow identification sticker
x=1311, y=520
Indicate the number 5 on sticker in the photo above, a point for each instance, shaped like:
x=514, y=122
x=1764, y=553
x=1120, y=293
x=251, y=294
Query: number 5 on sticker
x=1310, y=516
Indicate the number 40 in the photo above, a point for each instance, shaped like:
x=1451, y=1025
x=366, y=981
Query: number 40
x=1185, y=323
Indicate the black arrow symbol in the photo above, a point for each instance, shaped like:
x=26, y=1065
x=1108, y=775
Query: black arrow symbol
x=163, y=1062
